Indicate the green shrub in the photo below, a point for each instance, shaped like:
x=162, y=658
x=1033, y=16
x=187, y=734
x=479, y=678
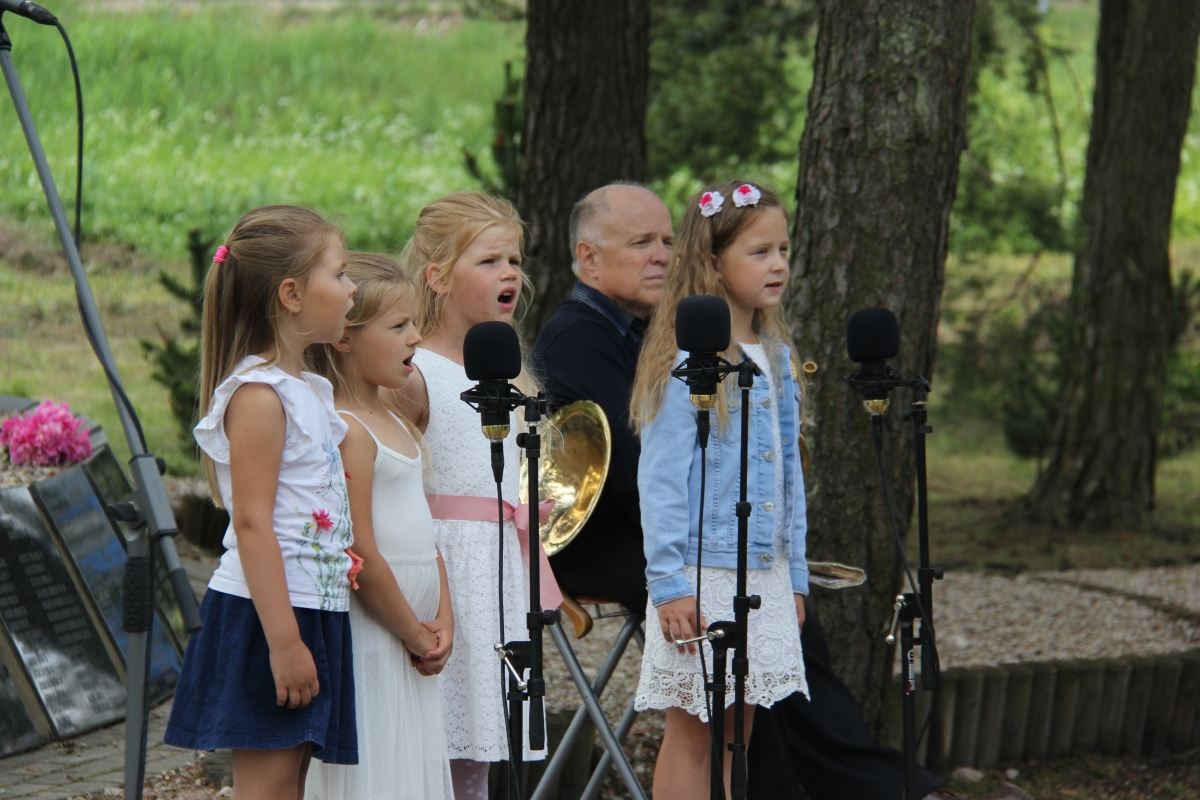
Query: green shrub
x=175, y=360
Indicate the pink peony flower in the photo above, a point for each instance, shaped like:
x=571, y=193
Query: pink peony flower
x=323, y=520
x=49, y=435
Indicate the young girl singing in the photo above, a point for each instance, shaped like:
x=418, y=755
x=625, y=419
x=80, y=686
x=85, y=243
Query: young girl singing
x=733, y=243
x=270, y=674
x=402, y=744
x=465, y=256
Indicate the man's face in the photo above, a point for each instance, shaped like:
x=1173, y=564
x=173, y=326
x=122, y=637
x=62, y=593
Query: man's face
x=628, y=259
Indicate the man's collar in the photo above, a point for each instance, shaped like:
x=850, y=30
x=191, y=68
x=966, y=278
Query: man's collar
x=621, y=319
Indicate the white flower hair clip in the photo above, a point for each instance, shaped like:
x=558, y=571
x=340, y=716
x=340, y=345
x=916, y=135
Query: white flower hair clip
x=746, y=195
x=711, y=202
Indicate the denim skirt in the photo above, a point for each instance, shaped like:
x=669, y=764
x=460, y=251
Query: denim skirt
x=225, y=697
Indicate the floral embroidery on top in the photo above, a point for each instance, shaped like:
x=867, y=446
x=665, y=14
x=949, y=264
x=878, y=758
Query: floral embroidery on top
x=333, y=564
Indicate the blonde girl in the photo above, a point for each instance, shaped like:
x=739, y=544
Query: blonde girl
x=399, y=706
x=733, y=243
x=270, y=675
x=465, y=256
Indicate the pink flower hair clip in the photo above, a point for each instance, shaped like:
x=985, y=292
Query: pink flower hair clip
x=746, y=195
x=711, y=202
x=221, y=254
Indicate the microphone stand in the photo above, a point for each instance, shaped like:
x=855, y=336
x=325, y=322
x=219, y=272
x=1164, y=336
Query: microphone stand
x=724, y=634
x=518, y=656
x=909, y=606
x=528, y=655
x=149, y=512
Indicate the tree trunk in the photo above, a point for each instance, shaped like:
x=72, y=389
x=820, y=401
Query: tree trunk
x=587, y=69
x=878, y=169
x=1101, y=472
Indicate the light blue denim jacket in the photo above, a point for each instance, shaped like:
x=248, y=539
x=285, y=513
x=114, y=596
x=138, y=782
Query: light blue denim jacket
x=669, y=483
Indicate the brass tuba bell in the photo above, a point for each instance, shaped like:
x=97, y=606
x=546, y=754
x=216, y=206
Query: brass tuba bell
x=576, y=447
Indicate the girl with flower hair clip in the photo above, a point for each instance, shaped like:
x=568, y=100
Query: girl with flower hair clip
x=270, y=675
x=733, y=243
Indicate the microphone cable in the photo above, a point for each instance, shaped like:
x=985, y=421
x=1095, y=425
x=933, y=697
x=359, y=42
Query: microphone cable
x=926, y=621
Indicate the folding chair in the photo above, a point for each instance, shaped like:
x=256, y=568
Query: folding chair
x=589, y=692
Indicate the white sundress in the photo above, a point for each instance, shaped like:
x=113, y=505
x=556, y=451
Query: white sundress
x=473, y=693
x=401, y=741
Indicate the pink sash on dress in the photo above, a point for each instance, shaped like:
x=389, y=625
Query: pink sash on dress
x=483, y=509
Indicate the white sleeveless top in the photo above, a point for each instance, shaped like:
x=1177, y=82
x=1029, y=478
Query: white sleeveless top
x=312, y=510
x=399, y=511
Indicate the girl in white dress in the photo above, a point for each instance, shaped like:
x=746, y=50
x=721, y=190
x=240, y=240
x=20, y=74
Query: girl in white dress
x=733, y=242
x=401, y=610
x=465, y=257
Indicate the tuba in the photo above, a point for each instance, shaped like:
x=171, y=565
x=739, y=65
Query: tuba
x=576, y=448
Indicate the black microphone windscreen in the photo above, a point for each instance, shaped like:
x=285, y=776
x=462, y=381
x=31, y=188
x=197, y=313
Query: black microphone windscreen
x=491, y=352
x=872, y=335
x=702, y=324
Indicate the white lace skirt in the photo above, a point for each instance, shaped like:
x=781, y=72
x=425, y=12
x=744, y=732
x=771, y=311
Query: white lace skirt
x=671, y=677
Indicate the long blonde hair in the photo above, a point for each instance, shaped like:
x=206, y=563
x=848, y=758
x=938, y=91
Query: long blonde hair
x=693, y=271
x=445, y=229
x=381, y=283
x=241, y=308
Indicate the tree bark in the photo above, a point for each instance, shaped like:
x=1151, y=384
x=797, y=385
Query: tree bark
x=1101, y=471
x=587, y=69
x=878, y=170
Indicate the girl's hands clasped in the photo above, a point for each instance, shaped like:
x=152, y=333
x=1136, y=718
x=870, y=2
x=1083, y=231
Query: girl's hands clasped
x=677, y=619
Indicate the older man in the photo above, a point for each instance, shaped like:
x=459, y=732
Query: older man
x=621, y=237
x=621, y=240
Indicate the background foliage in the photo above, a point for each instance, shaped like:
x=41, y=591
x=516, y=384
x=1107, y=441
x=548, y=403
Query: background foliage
x=365, y=112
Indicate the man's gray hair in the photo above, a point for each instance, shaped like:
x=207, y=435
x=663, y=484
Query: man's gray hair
x=582, y=223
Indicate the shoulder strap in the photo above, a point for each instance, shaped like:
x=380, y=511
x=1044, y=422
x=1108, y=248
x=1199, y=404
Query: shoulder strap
x=366, y=427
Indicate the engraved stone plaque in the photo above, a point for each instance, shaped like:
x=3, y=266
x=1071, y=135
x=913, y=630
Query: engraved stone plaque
x=17, y=731
x=83, y=527
x=47, y=624
x=112, y=486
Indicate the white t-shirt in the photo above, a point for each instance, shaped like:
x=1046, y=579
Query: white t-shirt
x=312, y=509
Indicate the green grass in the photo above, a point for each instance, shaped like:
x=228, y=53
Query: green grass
x=191, y=120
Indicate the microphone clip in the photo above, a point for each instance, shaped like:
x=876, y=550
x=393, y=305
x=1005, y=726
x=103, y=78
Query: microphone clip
x=874, y=383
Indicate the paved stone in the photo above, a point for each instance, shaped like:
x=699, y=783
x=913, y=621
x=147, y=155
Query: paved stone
x=94, y=762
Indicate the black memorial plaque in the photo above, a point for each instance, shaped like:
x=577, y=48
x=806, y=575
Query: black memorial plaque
x=112, y=487
x=48, y=625
x=17, y=731
x=83, y=526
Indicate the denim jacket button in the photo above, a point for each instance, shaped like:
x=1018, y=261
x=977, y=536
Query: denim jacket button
x=768, y=506
x=769, y=455
x=766, y=403
x=765, y=558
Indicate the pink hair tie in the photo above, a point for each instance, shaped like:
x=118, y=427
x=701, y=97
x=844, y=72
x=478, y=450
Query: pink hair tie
x=219, y=256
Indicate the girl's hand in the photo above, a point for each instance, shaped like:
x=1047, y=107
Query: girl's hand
x=435, y=660
x=421, y=642
x=677, y=619
x=799, y=598
x=295, y=675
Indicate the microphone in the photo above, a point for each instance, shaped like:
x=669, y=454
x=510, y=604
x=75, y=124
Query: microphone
x=492, y=356
x=702, y=329
x=23, y=8
x=872, y=337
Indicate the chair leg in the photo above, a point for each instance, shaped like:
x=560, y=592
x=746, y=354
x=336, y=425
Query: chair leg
x=591, y=707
